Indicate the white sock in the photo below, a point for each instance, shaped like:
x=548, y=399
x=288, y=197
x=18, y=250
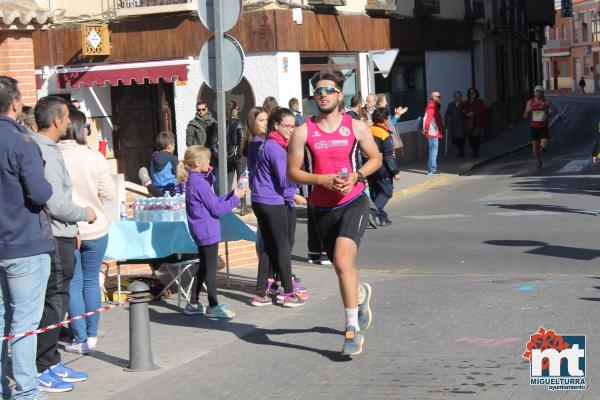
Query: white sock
x=352, y=317
x=362, y=294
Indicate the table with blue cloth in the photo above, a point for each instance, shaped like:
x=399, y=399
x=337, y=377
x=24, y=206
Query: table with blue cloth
x=131, y=242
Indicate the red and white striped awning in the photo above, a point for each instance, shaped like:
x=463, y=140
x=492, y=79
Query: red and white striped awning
x=125, y=74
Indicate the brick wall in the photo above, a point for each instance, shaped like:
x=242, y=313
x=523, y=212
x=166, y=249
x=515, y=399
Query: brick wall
x=16, y=60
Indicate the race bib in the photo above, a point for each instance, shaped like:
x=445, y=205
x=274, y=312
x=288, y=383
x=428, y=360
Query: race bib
x=538, y=116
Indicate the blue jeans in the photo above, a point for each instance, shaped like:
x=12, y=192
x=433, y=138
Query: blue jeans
x=22, y=288
x=433, y=153
x=85, y=288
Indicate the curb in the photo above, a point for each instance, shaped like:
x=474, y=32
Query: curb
x=518, y=148
x=420, y=187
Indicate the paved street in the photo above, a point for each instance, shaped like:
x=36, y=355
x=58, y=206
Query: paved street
x=468, y=270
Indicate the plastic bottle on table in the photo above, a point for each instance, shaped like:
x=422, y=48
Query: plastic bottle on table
x=182, y=209
x=123, y=211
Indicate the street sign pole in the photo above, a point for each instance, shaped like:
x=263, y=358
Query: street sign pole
x=221, y=118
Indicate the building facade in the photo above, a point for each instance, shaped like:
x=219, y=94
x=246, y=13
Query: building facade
x=572, y=49
x=18, y=20
x=150, y=79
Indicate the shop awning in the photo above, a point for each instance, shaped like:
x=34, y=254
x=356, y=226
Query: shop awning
x=124, y=74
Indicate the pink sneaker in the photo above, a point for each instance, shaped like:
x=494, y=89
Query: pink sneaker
x=293, y=300
x=261, y=299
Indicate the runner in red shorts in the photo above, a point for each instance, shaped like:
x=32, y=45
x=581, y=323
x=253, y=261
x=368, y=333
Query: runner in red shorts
x=329, y=144
x=539, y=110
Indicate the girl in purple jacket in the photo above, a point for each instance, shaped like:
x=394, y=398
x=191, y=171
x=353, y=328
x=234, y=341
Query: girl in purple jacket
x=203, y=208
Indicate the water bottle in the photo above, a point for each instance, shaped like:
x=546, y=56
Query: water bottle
x=182, y=210
x=153, y=209
x=123, y=211
x=344, y=174
x=135, y=207
x=166, y=209
x=142, y=211
x=243, y=181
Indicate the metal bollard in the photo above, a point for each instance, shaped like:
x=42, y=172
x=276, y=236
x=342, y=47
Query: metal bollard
x=140, y=349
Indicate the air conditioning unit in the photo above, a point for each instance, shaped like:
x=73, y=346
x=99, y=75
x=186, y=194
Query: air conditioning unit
x=424, y=8
x=326, y=3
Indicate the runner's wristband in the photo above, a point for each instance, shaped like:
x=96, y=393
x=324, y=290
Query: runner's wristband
x=361, y=177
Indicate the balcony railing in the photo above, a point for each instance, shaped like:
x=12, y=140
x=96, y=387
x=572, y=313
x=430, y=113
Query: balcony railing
x=426, y=7
x=556, y=44
x=385, y=5
x=474, y=9
x=137, y=7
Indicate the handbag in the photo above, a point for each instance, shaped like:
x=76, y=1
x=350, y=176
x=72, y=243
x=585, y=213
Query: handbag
x=397, y=140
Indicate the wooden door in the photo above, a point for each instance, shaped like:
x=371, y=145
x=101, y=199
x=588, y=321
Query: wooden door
x=136, y=123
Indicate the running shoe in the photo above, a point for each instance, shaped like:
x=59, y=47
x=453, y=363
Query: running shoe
x=193, y=309
x=293, y=300
x=353, y=342
x=261, y=299
x=92, y=342
x=364, y=309
x=298, y=286
x=50, y=382
x=68, y=374
x=219, y=311
x=79, y=348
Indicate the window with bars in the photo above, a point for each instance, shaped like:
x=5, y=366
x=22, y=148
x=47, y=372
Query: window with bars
x=596, y=27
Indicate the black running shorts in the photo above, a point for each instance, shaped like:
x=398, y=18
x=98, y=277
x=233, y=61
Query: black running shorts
x=539, y=133
x=349, y=221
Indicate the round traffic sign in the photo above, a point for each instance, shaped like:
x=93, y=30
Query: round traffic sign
x=230, y=13
x=233, y=63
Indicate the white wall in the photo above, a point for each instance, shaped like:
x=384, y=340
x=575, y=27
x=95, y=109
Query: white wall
x=363, y=65
x=447, y=71
x=265, y=74
x=261, y=71
x=186, y=95
x=288, y=81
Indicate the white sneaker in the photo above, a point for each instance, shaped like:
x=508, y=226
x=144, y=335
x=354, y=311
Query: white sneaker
x=79, y=348
x=92, y=342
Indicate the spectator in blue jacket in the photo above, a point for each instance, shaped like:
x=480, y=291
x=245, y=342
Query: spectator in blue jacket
x=163, y=167
x=25, y=241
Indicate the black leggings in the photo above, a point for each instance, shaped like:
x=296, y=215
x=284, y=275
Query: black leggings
x=277, y=226
x=475, y=142
x=207, y=273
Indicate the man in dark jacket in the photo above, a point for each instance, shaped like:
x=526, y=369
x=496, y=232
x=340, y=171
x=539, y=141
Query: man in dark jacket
x=381, y=185
x=198, y=129
x=25, y=241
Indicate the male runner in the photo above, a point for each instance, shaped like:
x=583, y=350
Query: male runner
x=539, y=110
x=340, y=208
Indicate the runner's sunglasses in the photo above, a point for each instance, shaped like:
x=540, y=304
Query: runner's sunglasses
x=323, y=90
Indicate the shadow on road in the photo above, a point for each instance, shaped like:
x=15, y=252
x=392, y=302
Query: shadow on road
x=247, y=332
x=595, y=287
x=561, y=185
x=544, y=249
x=545, y=207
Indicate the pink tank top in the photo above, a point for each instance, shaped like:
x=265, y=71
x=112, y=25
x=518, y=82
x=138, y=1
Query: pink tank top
x=328, y=153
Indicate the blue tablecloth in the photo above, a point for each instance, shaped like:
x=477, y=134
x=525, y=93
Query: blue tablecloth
x=133, y=240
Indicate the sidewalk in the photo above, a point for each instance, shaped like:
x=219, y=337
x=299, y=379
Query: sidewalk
x=178, y=339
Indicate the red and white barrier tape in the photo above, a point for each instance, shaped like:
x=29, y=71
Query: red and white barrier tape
x=59, y=324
